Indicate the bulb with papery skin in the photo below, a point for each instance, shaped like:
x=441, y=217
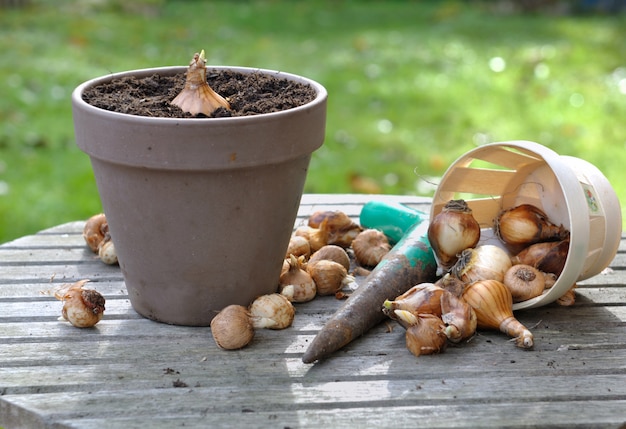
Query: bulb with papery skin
x=451, y=231
x=459, y=317
x=370, y=246
x=94, y=231
x=232, y=327
x=426, y=336
x=421, y=298
x=328, y=276
x=197, y=96
x=272, y=311
x=493, y=304
x=485, y=262
x=524, y=225
x=548, y=257
x=83, y=308
x=297, y=284
x=524, y=282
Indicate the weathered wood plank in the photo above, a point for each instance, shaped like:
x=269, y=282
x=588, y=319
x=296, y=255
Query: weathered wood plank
x=15, y=292
x=119, y=366
x=597, y=294
x=46, y=256
x=432, y=415
x=535, y=414
x=49, y=239
x=70, y=272
x=195, y=395
x=340, y=396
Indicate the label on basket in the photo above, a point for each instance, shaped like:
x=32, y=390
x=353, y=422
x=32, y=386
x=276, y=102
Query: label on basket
x=592, y=199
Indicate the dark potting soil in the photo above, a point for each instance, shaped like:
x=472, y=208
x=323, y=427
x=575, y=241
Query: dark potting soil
x=248, y=94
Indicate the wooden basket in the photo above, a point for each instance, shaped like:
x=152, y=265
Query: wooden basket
x=571, y=191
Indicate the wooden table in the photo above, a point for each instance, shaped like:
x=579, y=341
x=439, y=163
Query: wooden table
x=131, y=372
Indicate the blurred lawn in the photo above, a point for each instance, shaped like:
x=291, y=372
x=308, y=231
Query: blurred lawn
x=412, y=86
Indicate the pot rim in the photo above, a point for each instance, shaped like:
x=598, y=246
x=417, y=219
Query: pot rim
x=320, y=91
x=199, y=143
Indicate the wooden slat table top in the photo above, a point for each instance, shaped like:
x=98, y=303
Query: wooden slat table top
x=131, y=372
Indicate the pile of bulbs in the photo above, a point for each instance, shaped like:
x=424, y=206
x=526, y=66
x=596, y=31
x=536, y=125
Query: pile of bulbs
x=82, y=307
x=97, y=237
x=234, y=326
x=317, y=263
x=479, y=283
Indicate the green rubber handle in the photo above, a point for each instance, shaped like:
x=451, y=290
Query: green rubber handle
x=416, y=254
x=393, y=219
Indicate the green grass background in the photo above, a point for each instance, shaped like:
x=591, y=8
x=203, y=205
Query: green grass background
x=412, y=85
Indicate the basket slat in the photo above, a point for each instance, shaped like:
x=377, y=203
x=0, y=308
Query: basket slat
x=506, y=157
x=483, y=209
x=477, y=181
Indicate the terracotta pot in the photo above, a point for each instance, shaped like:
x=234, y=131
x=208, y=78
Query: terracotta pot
x=200, y=210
